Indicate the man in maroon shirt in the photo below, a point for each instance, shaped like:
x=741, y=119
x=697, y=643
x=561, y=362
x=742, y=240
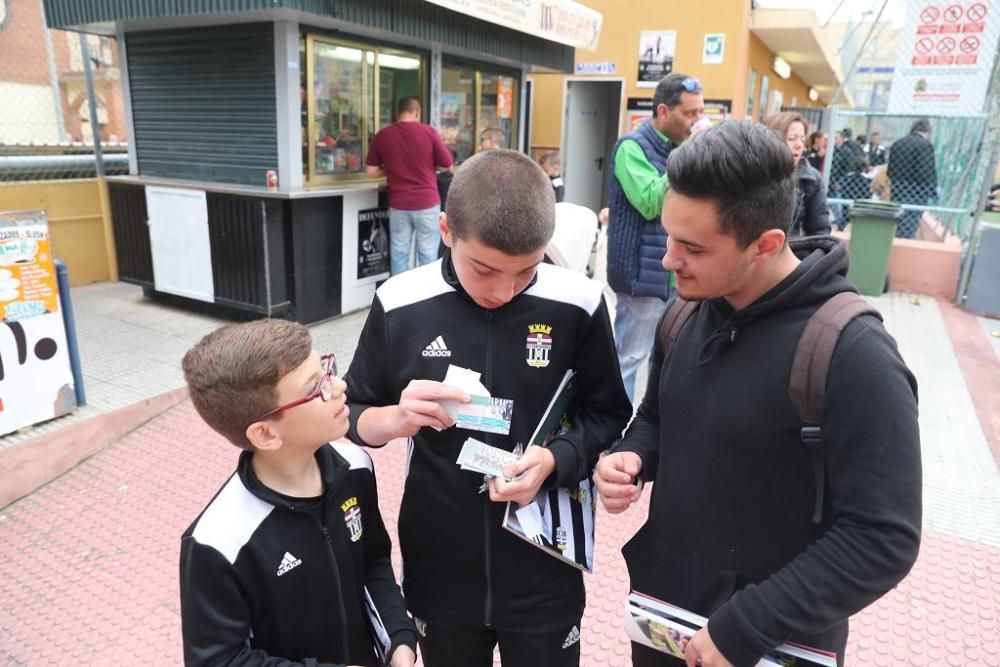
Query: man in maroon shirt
x=407, y=153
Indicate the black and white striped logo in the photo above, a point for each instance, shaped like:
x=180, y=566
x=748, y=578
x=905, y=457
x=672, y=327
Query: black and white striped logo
x=436, y=348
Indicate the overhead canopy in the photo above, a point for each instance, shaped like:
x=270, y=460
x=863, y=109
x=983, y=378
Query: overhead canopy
x=561, y=21
x=797, y=37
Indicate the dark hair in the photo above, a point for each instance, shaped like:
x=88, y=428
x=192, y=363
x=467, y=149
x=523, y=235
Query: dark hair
x=408, y=104
x=232, y=372
x=921, y=125
x=745, y=170
x=847, y=133
x=504, y=200
x=671, y=87
x=551, y=157
x=814, y=137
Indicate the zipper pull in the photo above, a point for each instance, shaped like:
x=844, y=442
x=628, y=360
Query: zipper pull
x=326, y=535
x=732, y=335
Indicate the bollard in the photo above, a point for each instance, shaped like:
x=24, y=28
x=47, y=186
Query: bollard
x=69, y=323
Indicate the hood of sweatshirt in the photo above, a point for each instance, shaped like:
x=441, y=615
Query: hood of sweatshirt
x=821, y=273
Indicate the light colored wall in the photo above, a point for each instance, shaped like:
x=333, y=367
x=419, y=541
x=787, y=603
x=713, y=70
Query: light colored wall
x=79, y=223
x=619, y=43
x=760, y=58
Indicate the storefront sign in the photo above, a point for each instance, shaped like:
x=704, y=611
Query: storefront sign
x=36, y=383
x=714, y=49
x=559, y=21
x=373, y=243
x=637, y=109
x=656, y=56
x=946, y=53
x=597, y=68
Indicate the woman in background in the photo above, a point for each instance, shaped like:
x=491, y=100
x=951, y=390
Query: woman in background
x=812, y=215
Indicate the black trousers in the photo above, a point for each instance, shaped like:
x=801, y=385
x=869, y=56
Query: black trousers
x=443, y=645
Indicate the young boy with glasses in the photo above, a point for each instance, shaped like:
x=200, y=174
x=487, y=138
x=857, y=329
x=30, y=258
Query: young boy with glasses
x=290, y=561
x=492, y=306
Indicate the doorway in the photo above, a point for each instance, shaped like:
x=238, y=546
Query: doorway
x=591, y=121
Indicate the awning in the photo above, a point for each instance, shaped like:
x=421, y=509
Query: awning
x=561, y=21
x=797, y=37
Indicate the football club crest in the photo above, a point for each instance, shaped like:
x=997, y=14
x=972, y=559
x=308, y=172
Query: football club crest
x=539, y=345
x=352, y=517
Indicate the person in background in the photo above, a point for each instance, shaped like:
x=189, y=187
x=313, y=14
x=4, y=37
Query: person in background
x=636, y=241
x=407, y=153
x=549, y=162
x=491, y=138
x=913, y=174
x=874, y=150
x=811, y=215
x=816, y=155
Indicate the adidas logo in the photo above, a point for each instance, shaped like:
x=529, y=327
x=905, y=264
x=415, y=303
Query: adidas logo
x=572, y=638
x=288, y=562
x=436, y=348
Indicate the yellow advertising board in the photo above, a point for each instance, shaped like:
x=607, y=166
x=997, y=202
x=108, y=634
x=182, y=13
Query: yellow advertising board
x=27, y=274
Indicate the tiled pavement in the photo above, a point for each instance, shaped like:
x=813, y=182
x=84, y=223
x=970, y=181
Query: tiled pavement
x=88, y=563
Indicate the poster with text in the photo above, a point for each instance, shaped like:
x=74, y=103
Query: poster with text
x=36, y=382
x=637, y=109
x=946, y=54
x=656, y=56
x=373, y=243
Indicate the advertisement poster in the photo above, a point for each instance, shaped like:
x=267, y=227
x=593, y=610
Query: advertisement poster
x=505, y=96
x=637, y=109
x=373, y=243
x=36, y=383
x=656, y=56
x=718, y=110
x=714, y=49
x=946, y=53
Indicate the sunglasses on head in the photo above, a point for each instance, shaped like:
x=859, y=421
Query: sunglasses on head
x=691, y=85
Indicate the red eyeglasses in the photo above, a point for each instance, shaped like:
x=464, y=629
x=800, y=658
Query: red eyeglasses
x=323, y=390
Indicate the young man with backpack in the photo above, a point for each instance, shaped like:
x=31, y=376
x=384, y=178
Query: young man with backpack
x=777, y=376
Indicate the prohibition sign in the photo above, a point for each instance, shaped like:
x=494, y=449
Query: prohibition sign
x=931, y=13
x=946, y=45
x=976, y=12
x=953, y=13
x=923, y=46
x=969, y=44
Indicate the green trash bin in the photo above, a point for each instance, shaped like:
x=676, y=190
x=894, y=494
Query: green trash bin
x=873, y=227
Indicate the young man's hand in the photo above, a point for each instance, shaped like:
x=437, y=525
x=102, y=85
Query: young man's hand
x=701, y=650
x=420, y=405
x=615, y=477
x=403, y=656
x=531, y=470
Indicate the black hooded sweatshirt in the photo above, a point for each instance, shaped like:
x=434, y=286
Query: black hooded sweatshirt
x=729, y=533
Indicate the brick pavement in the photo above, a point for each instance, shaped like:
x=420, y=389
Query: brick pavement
x=88, y=563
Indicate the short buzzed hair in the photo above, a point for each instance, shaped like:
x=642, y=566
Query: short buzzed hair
x=232, y=372
x=408, y=104
x=504, y=200
x=745, y=169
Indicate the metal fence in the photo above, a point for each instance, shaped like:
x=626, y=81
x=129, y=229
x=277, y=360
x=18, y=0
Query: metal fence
x=933, y=166
x=60, y=91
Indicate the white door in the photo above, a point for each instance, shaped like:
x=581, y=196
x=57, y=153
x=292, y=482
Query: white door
x=590, y=127
x=179, y=242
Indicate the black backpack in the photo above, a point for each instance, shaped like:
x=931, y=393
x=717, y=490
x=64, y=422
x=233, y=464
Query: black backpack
x=807, y=381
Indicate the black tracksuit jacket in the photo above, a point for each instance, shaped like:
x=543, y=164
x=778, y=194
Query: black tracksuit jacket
x=459, y=565
x=730, y=533
x=263, y=582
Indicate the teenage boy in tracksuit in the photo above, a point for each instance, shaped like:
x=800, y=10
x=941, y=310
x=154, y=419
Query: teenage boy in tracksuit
x=492, y=306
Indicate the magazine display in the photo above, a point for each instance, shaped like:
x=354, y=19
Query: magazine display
x=664, y=627
x=559, y=521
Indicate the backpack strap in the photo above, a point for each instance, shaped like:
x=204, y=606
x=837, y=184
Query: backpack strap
x=810, y=366
x=678, y=313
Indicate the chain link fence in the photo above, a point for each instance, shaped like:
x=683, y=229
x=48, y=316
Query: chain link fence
x=933, y=166
x=47, y=129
